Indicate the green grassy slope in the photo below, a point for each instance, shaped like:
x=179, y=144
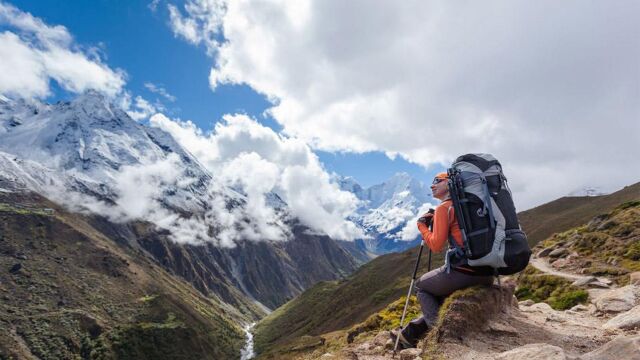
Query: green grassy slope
x=559, y=215
x=336, y=305
x=67, y=291
x=331, y=306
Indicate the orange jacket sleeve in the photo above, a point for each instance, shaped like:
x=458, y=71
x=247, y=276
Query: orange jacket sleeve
x=437, y=238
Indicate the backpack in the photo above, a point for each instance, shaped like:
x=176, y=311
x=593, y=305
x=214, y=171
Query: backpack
x=493, y=242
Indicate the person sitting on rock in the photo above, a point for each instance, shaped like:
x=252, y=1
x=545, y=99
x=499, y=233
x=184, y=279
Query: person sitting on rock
x=434, y=286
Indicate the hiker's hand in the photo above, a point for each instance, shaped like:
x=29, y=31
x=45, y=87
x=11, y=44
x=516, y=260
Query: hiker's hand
x=426, y=219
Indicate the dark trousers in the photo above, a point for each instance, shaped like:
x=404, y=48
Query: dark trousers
x=432, y=288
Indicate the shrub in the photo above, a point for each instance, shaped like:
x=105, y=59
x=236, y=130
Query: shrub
x=633, y=253
x=553, y=290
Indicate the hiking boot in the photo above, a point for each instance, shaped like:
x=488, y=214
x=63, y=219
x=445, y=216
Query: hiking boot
x=403, y=343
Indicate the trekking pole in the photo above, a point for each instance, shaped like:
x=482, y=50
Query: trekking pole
x=406, y=303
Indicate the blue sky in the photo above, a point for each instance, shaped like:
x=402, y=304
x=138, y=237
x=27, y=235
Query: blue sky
x=140, y=41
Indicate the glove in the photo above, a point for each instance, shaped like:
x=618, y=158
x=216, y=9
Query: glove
x=426, y=219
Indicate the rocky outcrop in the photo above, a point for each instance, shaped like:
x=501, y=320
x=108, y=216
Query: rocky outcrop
x=617, y=300
x=533, y=352
x=627, y=348
x=471, y=310
x=627, y=320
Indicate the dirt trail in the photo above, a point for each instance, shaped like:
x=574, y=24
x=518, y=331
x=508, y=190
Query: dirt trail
x=572, y=332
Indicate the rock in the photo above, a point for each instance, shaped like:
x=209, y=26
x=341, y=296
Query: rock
x=382, y=338
x=327, y=356
x=533, y=352
x=627, y=348
x=389, y=344
x=573, y=256
x=560, y=263
x=579, y=308
x=541, y=307
x=544, y=252
x=634, y=278
x=605, y=280
x=21, y=257
x=599, y=284
x=557, y=253
x=501, y=328
x=527, y=302
x=617, y=300
x=584, y=281
x=470, y=311
x=15, y=268
x=627, y=320
x=410, y=354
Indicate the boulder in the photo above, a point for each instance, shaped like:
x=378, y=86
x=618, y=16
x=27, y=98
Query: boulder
x=544, y=252
x=527, y=302
x=560, y=252
x=617, y=300
x=560, y=263
x=410, y=354
x=470, y=310
x=382, y=338
x=634, y=278
x=579, y=308
x=584, y=281
x=622, y=347
x=533, y=352
x=627, y=320
x=541, y=307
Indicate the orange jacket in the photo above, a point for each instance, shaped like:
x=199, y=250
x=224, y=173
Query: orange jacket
x=444, y=223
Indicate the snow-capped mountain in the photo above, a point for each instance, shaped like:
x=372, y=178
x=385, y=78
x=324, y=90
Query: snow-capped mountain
x=88, y=141
x=89, y=155
x=587, y=191
x=386, y=209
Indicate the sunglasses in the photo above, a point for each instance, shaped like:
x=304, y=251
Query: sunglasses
x=437, y=181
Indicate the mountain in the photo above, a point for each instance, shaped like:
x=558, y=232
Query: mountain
x=339, y=305
x=567, y=212
x=89, y=155
x=385, y=210
x=70, y=291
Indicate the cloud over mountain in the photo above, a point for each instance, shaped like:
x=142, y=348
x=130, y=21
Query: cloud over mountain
x=540, y=86
x=252, y=157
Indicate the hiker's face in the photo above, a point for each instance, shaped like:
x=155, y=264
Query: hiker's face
x=439, y=189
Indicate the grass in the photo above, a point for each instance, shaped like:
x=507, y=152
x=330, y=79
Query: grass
x=553, y=290
x=339, y=305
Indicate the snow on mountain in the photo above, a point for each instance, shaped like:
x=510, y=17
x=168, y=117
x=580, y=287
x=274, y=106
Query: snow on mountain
x=386, y=209
x=90, y=154
x=587, y=191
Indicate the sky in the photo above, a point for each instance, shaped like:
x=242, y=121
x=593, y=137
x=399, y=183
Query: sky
x=371, y=87
x=137, y=37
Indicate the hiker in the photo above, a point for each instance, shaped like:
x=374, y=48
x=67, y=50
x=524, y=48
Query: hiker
x=434, y=286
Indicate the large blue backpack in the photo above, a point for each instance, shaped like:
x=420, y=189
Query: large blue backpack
x=493, y=241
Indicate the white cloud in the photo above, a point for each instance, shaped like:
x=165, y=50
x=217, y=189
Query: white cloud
x=157, y=89
x=551, y=91
x=153, y=5
x=245, y=154
x=140, y=109
x=33, y=52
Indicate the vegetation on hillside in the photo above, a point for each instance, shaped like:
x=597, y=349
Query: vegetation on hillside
x=608, y=245
x=568, y=212
x=553, y=290
x=68, y=291
x=338, y=305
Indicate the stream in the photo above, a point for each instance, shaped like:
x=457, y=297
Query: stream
x=247, y=351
